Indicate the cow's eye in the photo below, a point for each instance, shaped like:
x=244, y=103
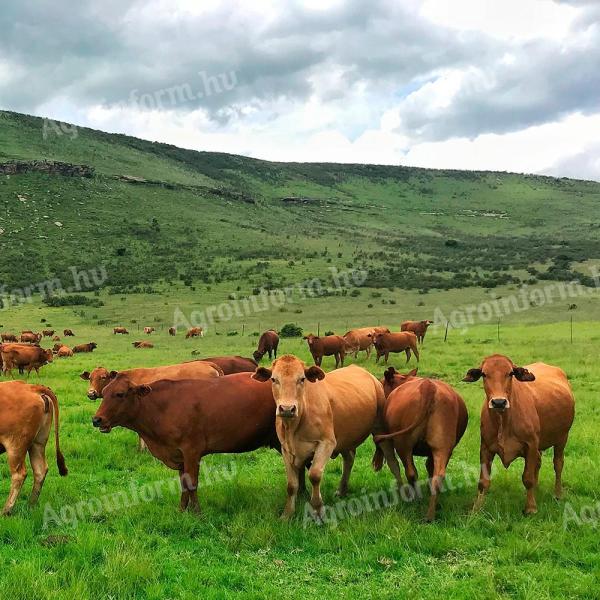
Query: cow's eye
x=273, y=380
x=302, y=380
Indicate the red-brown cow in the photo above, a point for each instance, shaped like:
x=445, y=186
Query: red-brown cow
x=121, y=330
x=142, y=344
x=181, y=421
x=26, y=413
x=172, y=331
x=267, y=343
x=149, y=330
x=24, y=356
x=419, y=328
x=28, y=337
x=64, y=351
x=328, y=345
x=427, y=418
x=526, y=410
x=48, y=332
x=232, y=364
x=9, y=337
x=404, y=341
x=89, y=347
x=68, y=333
x=194, y=332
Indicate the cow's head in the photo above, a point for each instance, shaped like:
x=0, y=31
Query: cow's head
x=498, y=373
x=99, y=378
x=392, y=379
x=258, y=355
x=311, y=339
x=93, y=345
x=375, y=337
x=289, y=377
x=48, y=354
x=427, y=323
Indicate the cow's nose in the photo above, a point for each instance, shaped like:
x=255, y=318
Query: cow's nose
x=499, y=402
x=96, y=421
x=287, y=411
x=92, y=394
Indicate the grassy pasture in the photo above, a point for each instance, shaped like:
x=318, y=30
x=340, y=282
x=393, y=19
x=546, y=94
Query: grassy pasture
x=238, y=547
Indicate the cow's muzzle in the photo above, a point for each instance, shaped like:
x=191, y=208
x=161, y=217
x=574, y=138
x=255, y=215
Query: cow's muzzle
x=99, y=423
x=500, y=404
x=92, y=395
x=287, y=412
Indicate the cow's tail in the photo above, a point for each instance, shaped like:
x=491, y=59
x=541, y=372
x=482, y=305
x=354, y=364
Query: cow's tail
x=60, y=459
x=428, y=394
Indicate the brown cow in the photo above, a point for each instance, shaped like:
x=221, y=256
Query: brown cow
x=24, y=356
x=26, y=413
x=64, y=351
x=56, y=339
x=9, y=337
x=319, y=417
x=148, y=330
x=194, y=332
x=329, y=345
x=56, y=347
x=68, y=333
x=359, y=339
x=404, y=341
x=172, y=331
x=141, y=344
x=427, y=418
x=268, y=342
x=89, y=347
x=526, y=410
x=419, y=328
x=48, y=332
x=232, y=364
x=181, y=421
x=30, y=338
x=121, y=330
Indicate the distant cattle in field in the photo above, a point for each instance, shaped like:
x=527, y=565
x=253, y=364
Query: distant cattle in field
x=28, y=337
x=232, y=364
x=26, y=414
x=194, y=332
x=425, y=417
x=328, y=345
x=9, y=337
x=64, y=351
x=89, y=347
x=48, y=332
x=55, y=338
x=68, y=333
x=149, y=330
x=526, y=411
x=172, y=331
x=359, y=340
x=121, y=330
x=57, y=347
x=142, y=344
x=404, y=341
x=419, y=328
x=23, y=357
x=268, y=343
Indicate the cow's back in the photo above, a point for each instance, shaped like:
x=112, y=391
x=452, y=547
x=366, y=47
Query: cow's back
x=191, y=370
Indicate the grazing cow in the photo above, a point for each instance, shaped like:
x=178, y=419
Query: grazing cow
x=320, y=416
x=148, y=330
x=9, y=337
x=172, y=331
x=24, y=356
x=89, y=347
x=28, y=337
x=419, y=328
x=404, y=341
x=56, y=347
x=48, y=332
x=194, y=332
x=526, y=410
x=26, y=414
x=142, y=344
x=181, y=421
x=64, y=351
x=427, y=418
x=68, y=333
x=359, y=339
x=232, y=364
x=329, y=345
x=121, y=330
x=268, y=342
x=55, y=338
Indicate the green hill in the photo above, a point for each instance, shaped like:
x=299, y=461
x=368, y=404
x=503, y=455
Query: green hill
x=153, y=214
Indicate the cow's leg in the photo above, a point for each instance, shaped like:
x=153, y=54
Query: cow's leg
x=191, y=467
x=292, y=473
x=533, y=461
x=409, y=466
x=185, y=495
x=342, y=357
x=387, y=447
x=348, y=458
x=315, y=474
x=39, y=466
x=415, y=349
x=559, y=461
x=377, y=357
x=387, y=355
x=407, y=354
x=440, y=460
x=486, y=457
x=18, y=473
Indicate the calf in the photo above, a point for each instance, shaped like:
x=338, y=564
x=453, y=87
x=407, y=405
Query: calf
x=172, y=331
x=194, y=332
x=26, y=413
x=329, y=345
x=419, y=328
x=181, y=421
x=24, y=356
x=319, y=417
x=526, y=410
x=89, y=347
x=268, y=342
x=149, y=330
x=404, y=341
x=55, y=338
x=64, y=351
x=142, y=344
x=427, y=418
x=68, y=333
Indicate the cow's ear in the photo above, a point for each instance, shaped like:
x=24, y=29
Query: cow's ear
x=113, y=374
x=85, y=375
x=142, y=390
x=314, y=373
x=522, y=374
x=389, y=374
x=413, y=373
x=262, y=374
x=472, y=375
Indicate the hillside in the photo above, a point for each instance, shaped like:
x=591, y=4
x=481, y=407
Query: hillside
x=153, y=214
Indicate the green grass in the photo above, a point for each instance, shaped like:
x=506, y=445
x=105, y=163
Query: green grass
x=239, y=548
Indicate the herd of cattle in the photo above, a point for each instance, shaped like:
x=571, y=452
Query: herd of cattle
x=230, y=404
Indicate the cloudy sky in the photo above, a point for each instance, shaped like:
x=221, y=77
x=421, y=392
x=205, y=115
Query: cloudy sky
x=479, y=84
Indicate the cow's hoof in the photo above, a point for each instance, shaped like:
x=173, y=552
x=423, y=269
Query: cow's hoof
x=529, y=511
x=341, y=493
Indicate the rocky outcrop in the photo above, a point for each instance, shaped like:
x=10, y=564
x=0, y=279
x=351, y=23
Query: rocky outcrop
x=46, y=166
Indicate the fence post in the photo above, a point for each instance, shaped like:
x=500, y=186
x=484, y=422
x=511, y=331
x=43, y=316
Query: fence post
x=446, y=333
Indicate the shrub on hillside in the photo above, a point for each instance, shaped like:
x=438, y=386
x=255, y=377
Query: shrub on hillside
x=72, y=300
x=290, y=330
